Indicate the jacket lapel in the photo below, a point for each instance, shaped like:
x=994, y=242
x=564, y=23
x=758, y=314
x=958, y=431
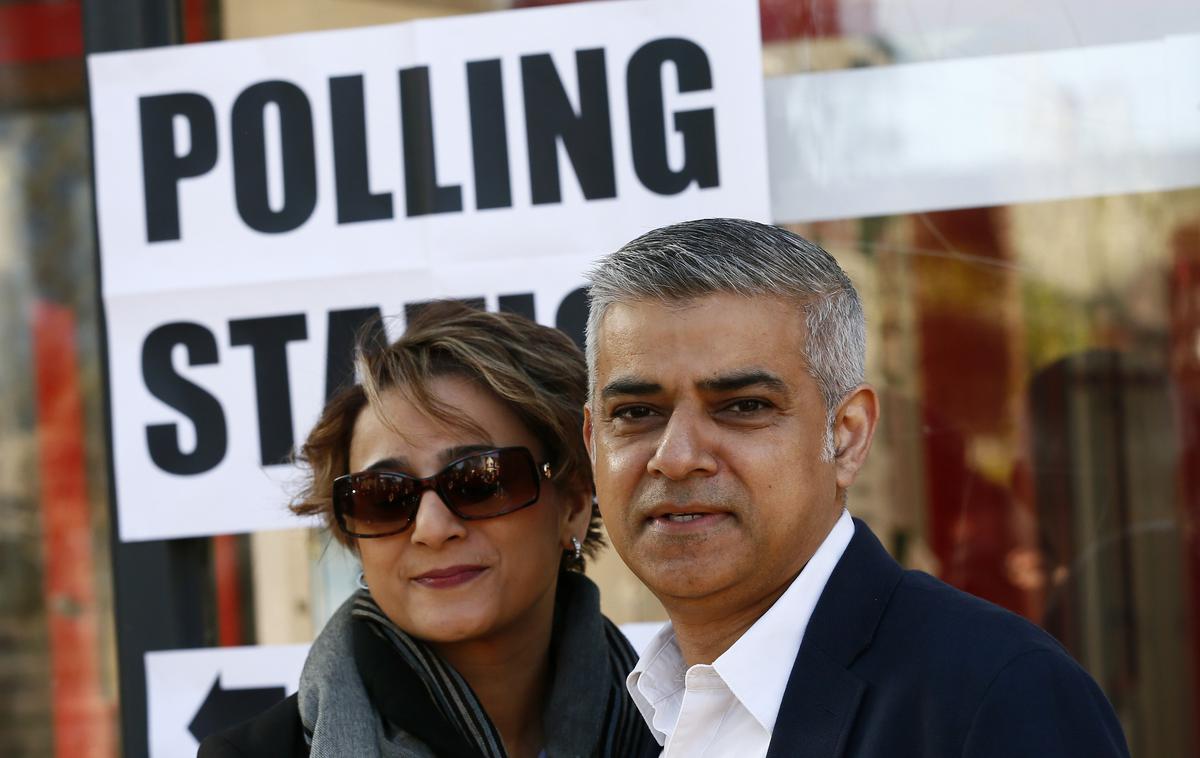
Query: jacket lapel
x=814, y=719
x=823, y=696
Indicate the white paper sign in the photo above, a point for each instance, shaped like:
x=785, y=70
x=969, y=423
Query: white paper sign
x=986, y=131
x=193, y=693
x=257, y=199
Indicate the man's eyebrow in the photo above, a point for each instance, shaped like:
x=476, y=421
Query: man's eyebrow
x=740, y=380
x=630, y=386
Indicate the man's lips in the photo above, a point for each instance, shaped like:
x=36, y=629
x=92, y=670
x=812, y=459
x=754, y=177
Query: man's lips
x=451, y=576
x=669, y=511
x=682, y=519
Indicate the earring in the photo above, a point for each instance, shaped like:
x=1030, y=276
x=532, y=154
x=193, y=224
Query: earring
x=361, y=581
x=578, y=550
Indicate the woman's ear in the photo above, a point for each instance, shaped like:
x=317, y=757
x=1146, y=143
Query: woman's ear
x=576, y=516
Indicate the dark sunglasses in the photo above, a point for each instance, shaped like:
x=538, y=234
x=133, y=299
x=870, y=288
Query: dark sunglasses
x=477, y=486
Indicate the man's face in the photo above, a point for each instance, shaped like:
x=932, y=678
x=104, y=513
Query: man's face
x=706, y=434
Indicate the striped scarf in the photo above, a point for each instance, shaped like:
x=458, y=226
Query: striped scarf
x=589, y=712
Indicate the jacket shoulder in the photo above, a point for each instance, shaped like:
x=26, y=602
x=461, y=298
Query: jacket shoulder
x=984, y=631
x=276, y=732
x=982, y=680
x=953, y=649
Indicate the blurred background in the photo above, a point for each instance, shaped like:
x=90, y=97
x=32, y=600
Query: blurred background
x=1029, y=256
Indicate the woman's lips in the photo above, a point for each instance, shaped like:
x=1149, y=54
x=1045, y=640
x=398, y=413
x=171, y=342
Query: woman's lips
x=451, y=576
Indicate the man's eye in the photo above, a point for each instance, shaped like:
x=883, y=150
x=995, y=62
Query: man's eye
x=632, y=412
x=747, y=406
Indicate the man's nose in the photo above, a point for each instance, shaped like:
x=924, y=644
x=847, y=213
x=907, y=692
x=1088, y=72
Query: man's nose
x=435, y=524
x=685, y=447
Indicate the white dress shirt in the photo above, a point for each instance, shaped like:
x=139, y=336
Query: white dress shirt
x=729, y=708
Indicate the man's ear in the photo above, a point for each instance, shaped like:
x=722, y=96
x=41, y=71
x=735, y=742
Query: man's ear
x=853, y=430
x=589, y=440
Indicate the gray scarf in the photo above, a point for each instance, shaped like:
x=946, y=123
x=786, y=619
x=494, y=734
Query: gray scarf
x=338, y=717
x=588, y=713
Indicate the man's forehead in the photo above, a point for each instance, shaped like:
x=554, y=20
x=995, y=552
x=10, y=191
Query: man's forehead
x=691, y=324
x=632, y=315
x=710, y=343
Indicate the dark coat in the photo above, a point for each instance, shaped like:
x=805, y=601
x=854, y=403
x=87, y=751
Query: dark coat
x=897, y=663
x=276, y=731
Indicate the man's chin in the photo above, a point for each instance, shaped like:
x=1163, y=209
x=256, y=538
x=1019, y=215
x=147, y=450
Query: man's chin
x=682, y=580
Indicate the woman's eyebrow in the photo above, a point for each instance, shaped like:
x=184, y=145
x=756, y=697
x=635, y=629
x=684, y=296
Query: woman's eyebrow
x=400, y=463
x=388, y=464
x=460, y=451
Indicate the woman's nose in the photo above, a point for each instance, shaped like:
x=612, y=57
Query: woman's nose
x=434, y=523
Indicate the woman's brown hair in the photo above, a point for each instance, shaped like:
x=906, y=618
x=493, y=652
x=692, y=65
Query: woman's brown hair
x=537, y=371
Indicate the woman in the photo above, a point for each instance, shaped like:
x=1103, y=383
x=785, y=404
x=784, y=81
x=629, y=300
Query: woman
x=456, y=470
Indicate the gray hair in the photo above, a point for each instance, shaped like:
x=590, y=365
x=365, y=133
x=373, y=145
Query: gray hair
x=724, y=255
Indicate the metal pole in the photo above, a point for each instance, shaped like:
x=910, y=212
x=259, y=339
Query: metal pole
x=162, y=589
x=110, y=25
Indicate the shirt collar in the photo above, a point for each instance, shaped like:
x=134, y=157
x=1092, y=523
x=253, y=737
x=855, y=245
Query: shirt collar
x=756, y=679
x=657, y=677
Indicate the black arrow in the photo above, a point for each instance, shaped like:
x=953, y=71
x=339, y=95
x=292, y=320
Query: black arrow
x=224, y=708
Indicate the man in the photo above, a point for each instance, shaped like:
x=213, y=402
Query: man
x=727, y=420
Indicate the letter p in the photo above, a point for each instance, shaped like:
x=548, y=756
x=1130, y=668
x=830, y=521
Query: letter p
x=162, y=164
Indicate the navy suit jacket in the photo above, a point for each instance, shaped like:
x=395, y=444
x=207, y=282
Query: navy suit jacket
x=896, y=663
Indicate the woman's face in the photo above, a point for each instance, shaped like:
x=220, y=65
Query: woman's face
x=444, y=579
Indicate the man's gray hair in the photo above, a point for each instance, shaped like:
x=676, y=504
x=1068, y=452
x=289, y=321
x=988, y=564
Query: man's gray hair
x=724, y=255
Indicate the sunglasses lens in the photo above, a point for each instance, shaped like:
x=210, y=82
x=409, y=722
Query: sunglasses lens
x=376, y=502
x=491, y=484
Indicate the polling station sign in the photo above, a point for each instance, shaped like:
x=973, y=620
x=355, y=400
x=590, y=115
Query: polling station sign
x=258, y=201
x=194, y=693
